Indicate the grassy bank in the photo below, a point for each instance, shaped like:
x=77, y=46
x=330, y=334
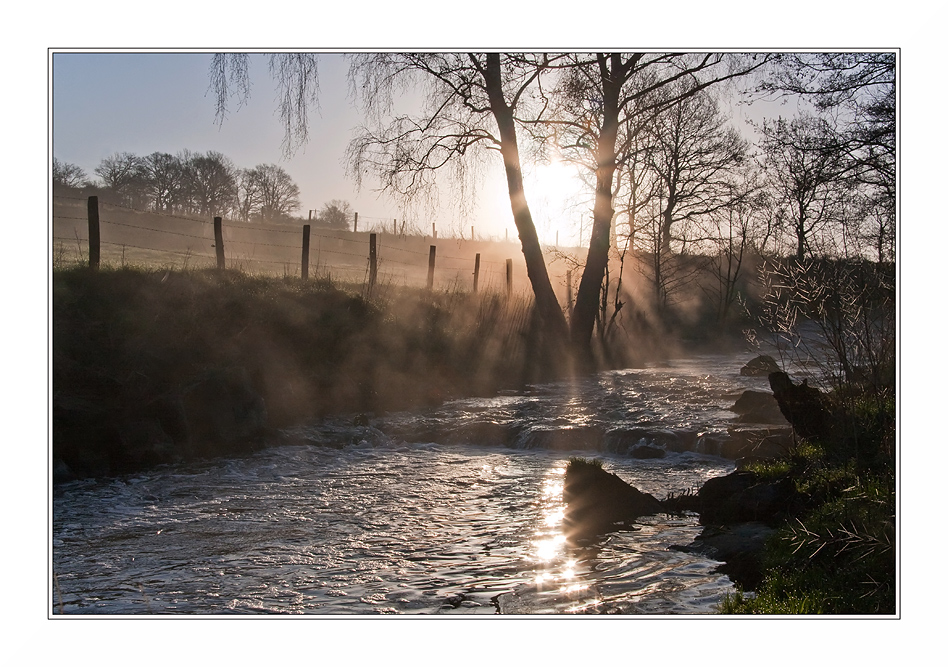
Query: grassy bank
x=128, y=342
x=835, y=552
x=310, y=347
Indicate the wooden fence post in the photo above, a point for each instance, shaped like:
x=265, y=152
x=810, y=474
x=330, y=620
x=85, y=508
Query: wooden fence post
x=219, y=243
x=355, y=225
x=431, y=265
x=395, y=226
x=509, y=277
x=373, y=261
x=477, y=269
x=94, y=241
x=304, y=266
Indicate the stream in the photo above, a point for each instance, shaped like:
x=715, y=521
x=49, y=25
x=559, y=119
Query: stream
x=457, y=510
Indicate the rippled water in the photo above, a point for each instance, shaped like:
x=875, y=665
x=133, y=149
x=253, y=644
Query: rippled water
x=380, y=519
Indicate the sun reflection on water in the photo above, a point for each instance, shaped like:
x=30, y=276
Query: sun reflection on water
x=556, y=570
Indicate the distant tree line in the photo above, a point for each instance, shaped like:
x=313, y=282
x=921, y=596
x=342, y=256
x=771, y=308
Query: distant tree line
x=198, y=184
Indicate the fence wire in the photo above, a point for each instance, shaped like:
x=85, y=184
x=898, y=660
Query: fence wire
x=160, y=237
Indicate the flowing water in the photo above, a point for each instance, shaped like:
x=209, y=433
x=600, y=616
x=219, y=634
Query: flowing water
x=454, y=511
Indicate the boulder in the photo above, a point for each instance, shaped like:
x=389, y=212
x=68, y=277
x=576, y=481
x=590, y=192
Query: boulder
x=758, y=407
x=646, y=452
x=740, y=548
x=742, y=496
x=569, y=438
x=761, y=366
x=596, y=500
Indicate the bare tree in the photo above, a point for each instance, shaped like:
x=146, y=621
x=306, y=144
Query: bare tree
x=211, y=182
x=248, y=197
x=68, y=175
x=164, y=174
x=694, y=156
x=124, y=174
x=475, y=104
x=859, y=88
x=277, y=194
x=805, y=174
x=613, y=97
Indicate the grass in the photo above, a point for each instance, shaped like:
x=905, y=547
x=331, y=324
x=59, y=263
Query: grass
x=836, y=553
x=579, y=461
x=124, y=336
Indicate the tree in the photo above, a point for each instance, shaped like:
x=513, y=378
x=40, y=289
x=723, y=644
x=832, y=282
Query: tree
x=608, y=100
x=211, y=182
x=694, y=156
x=68, y=175
x=804, y=172
x=124, y=174
x=335, y=214
x=276, y=193
x=860, y=89
x=248, y=194
x=164, y=174
x=475, y=102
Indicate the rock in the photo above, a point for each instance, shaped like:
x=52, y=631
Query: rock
x=761, y=366
x=85, y=438
x=62, y=472
x=570, y=438
x=623, y=441
x=739, y=546
x=646, y=452
x=742, y=496
x=596, y=500
x=758, y=407
x=803, y=406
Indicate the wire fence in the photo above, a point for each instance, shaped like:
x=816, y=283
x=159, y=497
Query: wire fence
x=86, y=231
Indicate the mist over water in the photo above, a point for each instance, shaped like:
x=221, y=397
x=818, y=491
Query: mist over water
x=355, y=521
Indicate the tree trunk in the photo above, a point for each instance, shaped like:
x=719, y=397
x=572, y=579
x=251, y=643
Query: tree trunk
x=546, y=302
x=587, y=297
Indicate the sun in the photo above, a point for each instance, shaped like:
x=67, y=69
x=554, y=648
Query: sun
x=555, y=194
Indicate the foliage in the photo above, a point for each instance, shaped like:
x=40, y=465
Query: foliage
x=579, y=461
x=836, y=552
x=835, y=316
x=335, y=214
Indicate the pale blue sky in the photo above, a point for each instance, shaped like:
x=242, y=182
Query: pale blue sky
x=109, y=102
x=104, y=103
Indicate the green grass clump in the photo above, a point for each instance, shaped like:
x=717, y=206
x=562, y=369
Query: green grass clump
x=579, y=461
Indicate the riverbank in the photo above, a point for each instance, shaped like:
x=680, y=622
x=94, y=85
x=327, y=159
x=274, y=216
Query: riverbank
x=155, y=366
x=827, y=513
x=159, y=365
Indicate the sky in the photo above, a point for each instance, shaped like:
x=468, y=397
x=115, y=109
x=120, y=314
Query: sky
x=105, y=103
